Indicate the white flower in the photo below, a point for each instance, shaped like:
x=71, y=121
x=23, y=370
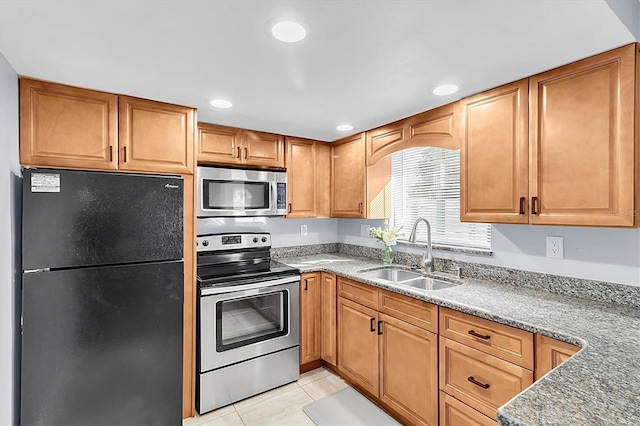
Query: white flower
x=388, y=236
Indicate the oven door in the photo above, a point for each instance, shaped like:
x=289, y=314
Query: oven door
x=242, y=322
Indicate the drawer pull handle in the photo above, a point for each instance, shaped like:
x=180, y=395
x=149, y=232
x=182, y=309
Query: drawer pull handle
x=373, y=325
x=475, y=382
x=478, y=335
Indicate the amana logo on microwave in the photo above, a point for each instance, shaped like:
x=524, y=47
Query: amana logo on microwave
x=171, y=186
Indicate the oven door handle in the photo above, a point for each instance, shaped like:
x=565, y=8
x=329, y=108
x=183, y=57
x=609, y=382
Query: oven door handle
x=252, y=286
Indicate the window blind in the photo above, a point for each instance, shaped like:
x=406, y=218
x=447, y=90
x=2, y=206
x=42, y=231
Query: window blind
x=426, y=183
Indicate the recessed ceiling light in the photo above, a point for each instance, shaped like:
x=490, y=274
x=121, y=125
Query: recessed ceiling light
x=344, y=127
x=445, y=89
x=289, y=32
x=221, y=103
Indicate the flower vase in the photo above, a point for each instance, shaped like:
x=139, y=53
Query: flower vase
x=388, y=257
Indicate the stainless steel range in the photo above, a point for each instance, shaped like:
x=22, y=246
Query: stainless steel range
x=248, y=319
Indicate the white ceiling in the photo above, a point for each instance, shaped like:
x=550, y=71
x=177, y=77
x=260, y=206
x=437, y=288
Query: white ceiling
x=366, y=63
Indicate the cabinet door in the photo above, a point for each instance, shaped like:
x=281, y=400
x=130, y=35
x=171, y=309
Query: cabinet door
x=494, y=155
x=62, y=126
x=329, y=300
x=155, y=137
x=310, y=315
x=409, y=370
x=347, y=179
x=301, y=178
x=358, y=344
x=550, y=353
x=262, y=149
x=219, y=145
x=582, y=148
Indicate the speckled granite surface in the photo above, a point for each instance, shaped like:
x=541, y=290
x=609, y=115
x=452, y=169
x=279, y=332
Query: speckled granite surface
x=598, y=386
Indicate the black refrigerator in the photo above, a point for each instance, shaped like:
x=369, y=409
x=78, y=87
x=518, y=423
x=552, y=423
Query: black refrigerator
x=102, y=298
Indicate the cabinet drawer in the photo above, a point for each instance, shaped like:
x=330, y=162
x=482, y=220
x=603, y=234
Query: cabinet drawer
x=455, y=413
x=506, y=342
x=363, y=294
x=417, y=312
x=480, y=380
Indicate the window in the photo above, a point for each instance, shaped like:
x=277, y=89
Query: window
x=426, y=183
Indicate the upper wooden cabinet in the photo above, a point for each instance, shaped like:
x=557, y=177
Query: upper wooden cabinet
x=572, y=162
x=308, y=178
x=582, y=143
x=436, y=127
x=228, y=145
x=348, y=177
x=494, y=155
x=155, y=137
x=63, y=126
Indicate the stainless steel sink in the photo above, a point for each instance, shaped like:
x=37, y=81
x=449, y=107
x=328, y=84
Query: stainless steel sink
x=404, y=278
x=424, y=283
x=392, y=274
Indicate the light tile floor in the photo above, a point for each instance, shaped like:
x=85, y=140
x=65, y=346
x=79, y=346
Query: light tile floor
x=280, y=406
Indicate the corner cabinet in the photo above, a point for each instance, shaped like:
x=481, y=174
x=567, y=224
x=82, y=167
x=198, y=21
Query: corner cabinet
x=569, y=160
x=550, y=353
x=348, y=177
x=308, y=178
x=63, y=126
x=228, y=145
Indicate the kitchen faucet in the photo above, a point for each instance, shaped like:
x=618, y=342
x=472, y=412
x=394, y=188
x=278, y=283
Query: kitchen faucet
x=427, y=256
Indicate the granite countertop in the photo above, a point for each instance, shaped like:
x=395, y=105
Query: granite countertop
x=600, y=385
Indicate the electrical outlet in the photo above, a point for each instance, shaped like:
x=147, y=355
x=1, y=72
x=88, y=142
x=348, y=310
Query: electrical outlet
x=303, y=230
x=555, y=247
x=364, y=230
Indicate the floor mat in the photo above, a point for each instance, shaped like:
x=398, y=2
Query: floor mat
x=347, y=407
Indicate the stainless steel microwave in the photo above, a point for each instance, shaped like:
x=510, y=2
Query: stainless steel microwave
x=235, y=192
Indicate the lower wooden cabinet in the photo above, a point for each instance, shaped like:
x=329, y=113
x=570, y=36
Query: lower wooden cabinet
x=310, y=317
x=550, y=353
x=480, y=380
x=408, y=370
x=358, y=344
x=393, y=360
x=329, y=317
x=455, y=413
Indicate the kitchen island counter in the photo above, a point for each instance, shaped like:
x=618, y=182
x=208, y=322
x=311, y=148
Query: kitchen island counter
x=598, y=385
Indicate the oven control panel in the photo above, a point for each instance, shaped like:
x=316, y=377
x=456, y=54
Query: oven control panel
x=215, y=242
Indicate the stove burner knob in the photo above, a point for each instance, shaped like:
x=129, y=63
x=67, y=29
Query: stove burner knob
x=205, y=243
x=264, y=239
x=255, y=240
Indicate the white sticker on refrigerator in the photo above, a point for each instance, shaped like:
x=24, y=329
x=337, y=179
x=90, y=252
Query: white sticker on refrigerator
x=45, y=182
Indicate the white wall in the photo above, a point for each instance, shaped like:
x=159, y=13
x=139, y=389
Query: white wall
x=628, y=11
x=284, y=232
x=10, y=262
x=604, y=254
